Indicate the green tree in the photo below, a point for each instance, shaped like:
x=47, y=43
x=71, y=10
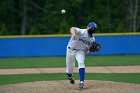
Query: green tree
x=21, y=16
x=3, y=30
x=34, y=31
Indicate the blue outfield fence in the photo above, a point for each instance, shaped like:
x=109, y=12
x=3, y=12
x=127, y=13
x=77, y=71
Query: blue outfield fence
x=31, y=46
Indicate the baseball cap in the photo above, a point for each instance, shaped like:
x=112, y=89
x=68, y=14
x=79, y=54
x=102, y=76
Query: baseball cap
x=92, y=25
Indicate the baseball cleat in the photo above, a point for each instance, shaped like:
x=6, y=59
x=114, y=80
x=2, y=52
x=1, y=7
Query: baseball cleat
x=72, y=81
x=81, y=85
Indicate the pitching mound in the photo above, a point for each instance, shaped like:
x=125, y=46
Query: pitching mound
x=65, y=87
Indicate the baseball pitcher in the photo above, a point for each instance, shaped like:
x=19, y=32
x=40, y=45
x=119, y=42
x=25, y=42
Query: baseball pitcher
x=81, y=43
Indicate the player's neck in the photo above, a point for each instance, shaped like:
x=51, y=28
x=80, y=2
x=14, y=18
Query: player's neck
x=90, y=35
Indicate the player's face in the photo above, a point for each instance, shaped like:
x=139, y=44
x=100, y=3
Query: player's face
x=90, y=30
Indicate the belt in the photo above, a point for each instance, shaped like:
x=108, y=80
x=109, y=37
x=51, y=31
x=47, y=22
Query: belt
x=72, y=48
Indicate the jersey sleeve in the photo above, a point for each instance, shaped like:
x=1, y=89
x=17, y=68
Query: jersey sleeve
x=79, y=31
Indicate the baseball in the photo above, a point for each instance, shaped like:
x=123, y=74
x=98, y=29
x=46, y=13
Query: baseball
x=63, y=11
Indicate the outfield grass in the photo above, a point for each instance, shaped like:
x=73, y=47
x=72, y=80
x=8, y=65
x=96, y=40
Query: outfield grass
x=127, y=78
x=46, y=62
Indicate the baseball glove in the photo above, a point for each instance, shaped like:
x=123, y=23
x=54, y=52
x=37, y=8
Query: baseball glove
x=95, y=47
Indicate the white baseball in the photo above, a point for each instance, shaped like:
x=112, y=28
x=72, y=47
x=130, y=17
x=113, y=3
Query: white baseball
x=63, y=11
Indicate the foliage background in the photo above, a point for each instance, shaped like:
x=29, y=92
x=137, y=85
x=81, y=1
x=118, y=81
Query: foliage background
x=27, y=17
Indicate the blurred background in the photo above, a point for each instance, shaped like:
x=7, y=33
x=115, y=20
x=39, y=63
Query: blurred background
x=31, y=17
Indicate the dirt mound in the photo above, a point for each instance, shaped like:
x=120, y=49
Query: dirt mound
x=65, y=87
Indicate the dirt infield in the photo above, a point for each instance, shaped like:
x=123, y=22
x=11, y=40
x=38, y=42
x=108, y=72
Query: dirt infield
x=66, y=87
x=106, y=69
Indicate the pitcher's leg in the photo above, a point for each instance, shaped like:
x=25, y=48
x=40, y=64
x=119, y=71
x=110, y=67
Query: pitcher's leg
x=80, y=57
x=70, y=64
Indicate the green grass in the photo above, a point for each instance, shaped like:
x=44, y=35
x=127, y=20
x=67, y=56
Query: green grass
x=32, y=62
x=117, y=77
x=118, y=60
x=46, y=62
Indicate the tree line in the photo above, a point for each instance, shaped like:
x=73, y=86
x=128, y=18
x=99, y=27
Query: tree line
x=30, y=17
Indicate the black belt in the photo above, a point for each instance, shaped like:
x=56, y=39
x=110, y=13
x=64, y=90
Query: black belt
x=72, y=48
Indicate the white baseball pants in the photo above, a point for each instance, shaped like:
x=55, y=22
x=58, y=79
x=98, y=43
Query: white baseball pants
x=71, y=57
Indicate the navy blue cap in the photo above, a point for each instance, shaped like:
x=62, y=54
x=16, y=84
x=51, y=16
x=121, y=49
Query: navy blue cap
x=92, y=25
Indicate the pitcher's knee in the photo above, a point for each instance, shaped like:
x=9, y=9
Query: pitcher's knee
x=81, y=65
x=69, y=70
